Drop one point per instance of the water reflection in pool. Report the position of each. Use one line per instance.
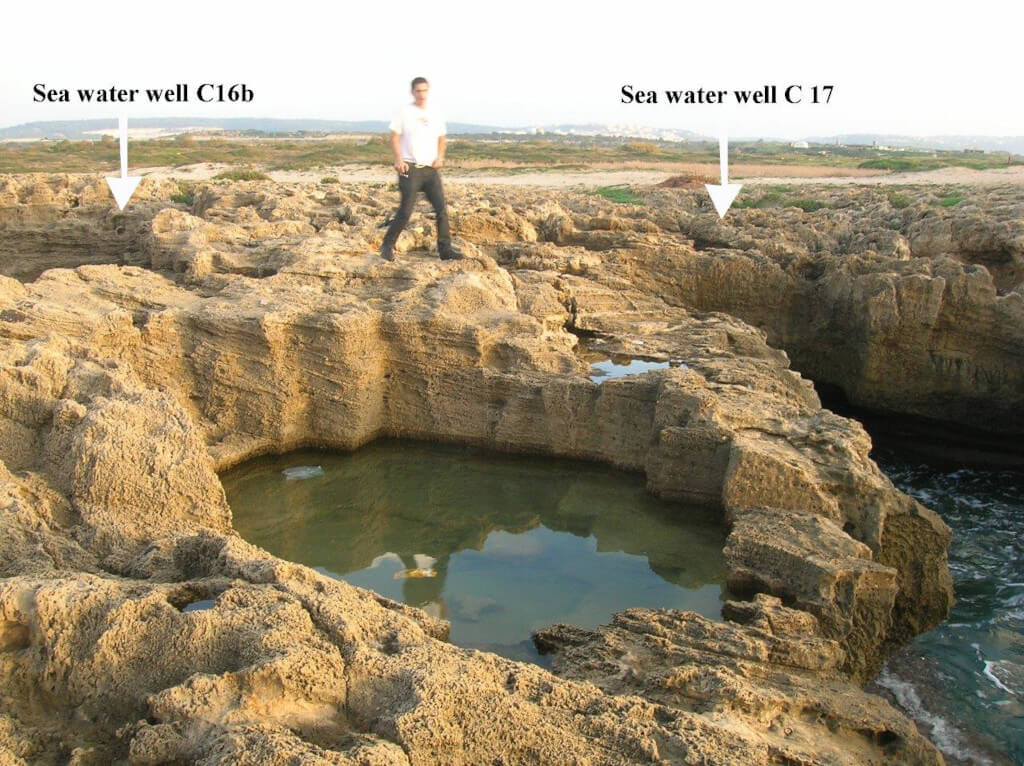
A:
(498, 545)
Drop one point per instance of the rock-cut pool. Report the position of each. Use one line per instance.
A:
(498, 545)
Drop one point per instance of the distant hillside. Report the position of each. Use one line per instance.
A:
(625, 131)
(1014, 144)
(85, 129)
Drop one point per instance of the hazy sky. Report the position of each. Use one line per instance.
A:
(894, 70)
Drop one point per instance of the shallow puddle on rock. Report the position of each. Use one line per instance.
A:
(605, 370)
(199, 606)
(498, 545)
(605, 365)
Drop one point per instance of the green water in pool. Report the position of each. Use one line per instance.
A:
(498, 545)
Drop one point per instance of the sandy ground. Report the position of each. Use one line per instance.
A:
(607, 176)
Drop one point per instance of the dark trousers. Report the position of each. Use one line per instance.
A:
(427, 180)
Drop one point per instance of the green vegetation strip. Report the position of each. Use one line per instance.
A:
(775, 197)
(504, 152)
(619, 193)
(899, 201)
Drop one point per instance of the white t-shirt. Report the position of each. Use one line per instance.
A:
(420, 129)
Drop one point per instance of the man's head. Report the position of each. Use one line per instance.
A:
(420, 89)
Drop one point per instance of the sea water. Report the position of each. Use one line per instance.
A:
(964, 681)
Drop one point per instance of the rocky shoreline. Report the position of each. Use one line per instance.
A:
(182, 338)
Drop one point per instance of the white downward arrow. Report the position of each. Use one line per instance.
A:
(723, 195)
(124, 187)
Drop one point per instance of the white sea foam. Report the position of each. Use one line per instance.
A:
(944, 734)
(996, 668)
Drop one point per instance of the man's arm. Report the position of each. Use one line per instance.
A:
(441, 144)
(396, 149)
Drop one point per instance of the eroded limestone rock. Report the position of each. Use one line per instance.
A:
(270, 324)
(53, 221)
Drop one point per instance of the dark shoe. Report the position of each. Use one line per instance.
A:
(451, 254)
(387, 253)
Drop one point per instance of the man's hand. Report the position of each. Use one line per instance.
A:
(396, 151)
(442, 143)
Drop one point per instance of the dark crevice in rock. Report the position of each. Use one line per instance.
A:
(938, 442)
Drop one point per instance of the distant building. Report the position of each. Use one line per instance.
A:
(800, 145)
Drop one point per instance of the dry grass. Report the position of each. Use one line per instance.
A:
(688, 181)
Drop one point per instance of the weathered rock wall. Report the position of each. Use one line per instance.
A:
(60, 221)
(929, 323)
(915, 311)
(928, 337)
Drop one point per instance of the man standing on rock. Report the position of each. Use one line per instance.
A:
(418, 143)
